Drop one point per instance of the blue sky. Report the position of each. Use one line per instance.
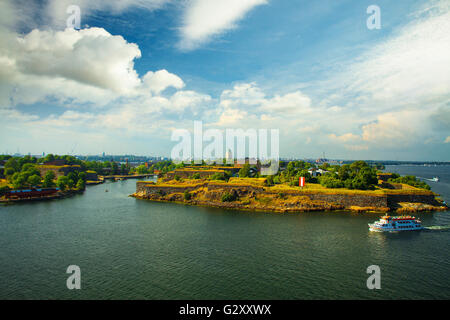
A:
(138, 69)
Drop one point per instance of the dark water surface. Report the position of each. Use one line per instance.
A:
(134, 249)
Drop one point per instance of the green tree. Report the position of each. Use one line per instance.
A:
(71, 183)
(48, 179)
(9, 172)
(73, 176)
(81, 185)
(62, 183)
(245, 171)
(229, 197)
(218, 176)
(142, 169)
(12, 163)
(115, 168)
(34, 180)
(20, 180)
(82, 176)
(187, 196)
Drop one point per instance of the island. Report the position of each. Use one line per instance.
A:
(356, 187)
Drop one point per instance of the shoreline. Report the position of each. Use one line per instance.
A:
(60, 195)
(249, 197)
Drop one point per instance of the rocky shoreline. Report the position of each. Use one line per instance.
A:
(254, 198)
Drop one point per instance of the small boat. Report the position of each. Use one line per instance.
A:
(434, 179)
(393, 224)
(106, 190)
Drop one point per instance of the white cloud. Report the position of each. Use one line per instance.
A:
(355, 147)
(160, 80)
(409, 68)
(251, 98)
(56, 9)
(396, 128)
(188, 99)
(231, 117)
(204, 19)
(244, 94)
(288, 104)
(89, 56)
(345, 137)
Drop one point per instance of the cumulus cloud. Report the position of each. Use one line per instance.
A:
(188, 99)
(90, 56)
(402, 127)
(204, 19)
(160, 80)
(251, 98)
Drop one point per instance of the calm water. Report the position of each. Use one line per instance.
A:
(132, 249)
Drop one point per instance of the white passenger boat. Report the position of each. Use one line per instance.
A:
(401, 223)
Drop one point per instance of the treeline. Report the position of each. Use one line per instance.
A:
(410, 180)
(21, 172)
(358, 175)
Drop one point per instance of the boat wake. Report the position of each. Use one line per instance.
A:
(438, 228)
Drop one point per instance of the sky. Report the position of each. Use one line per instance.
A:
(136, 70)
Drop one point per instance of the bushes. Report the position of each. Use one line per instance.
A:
(359, 175)
(412, 181)
(229, 197)
(34, 180)
(48, 179)
(81, 185)
(219, 176)
(196, 176)
(245, 171)
(187, 195)
(331, 182)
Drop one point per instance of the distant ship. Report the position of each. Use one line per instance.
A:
(401, 223)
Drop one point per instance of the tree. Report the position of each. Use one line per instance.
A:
(62, 183)
(48, 179)
(9, 172)
(49, 157)
(34, 180)
(187, 196)
(12, 163)
(28, 167)
(218, 176)
(344, 172)
(245, 171)
(269, 181)
(229, 197)
(329, 181)
(20, 180)
(142, 169)
(72, 176)
(82, 176)
(71, 183)
(81, 184)
(115, 168)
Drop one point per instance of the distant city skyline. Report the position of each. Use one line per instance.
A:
(138, 69)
